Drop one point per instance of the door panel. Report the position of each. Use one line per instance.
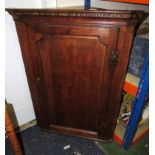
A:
(72, 65)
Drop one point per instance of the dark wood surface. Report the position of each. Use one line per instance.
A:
(76, 63)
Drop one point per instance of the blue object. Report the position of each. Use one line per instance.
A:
(138, 105)
(138, 54)
(87, 4)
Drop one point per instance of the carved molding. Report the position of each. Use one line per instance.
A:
(79, 13)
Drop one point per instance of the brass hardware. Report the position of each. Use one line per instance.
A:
(38, 79)
(114, 58)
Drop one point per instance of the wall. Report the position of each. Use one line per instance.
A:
(117, 5)
(61, 3)
(23, 4)
(16, 86)
(49, 3)
(64, 3)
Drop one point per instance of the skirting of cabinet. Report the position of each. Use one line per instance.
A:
(75, 132)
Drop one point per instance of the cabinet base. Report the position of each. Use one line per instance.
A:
(75, 132)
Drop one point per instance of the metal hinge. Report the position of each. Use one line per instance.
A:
(114, 58)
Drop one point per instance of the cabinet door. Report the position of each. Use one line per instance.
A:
(73, 67)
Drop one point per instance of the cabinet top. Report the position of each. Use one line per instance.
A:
(91, 13)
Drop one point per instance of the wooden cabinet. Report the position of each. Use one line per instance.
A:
(76, 61)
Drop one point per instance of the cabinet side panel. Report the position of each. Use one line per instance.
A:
(28, 63)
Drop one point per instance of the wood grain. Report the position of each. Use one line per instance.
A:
(11, 134)
(74, 76)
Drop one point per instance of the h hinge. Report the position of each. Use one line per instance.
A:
(114, 58)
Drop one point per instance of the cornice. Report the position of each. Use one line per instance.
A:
(110, 14)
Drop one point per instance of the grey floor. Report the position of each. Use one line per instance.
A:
(36, 142)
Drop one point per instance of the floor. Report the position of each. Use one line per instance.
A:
(36, 142)
(139, 148)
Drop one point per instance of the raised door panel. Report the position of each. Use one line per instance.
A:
(73, 74)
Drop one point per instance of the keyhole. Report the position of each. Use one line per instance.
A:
(38, 79)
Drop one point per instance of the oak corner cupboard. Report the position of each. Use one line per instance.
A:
(76, 62)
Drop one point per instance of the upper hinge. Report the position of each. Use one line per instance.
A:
(114, 58)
